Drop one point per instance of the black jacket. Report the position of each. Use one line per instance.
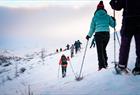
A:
(131, 12)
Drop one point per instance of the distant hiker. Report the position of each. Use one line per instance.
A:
(56, 50)
(72, 50)
(100, 26)
(79, 45)
(76, 47)
(92, 43)
(130, 27)
(60, 49)
(63, 62)
(68, 46)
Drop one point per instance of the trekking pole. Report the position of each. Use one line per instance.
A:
(114, 43)
(117, 38)
(58, 71)
(72, 69)
(79, 77)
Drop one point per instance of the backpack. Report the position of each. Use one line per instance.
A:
(64, 59)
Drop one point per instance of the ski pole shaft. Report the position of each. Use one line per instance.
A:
(118, 38)
(83, 59)
(58, 71)
(114, 41)
(72, 69)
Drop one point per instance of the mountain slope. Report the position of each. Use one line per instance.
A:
(43, 79)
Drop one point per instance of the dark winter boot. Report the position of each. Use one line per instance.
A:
(64, 74)
(136, 71)
(100, 67)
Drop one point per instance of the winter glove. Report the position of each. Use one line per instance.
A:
(87, 37)
(113, 18)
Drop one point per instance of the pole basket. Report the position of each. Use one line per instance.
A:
(79, 78)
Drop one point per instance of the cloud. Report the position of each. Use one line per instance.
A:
(54, 24)
(43, 3)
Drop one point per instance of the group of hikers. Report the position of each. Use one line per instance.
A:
(75, 47)
(100, 29)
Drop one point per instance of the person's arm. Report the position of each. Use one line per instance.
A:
(117, 4)
(112, 21)
(92, 28)
(60, 62)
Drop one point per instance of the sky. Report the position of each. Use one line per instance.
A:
(43, 3)
(42, 23)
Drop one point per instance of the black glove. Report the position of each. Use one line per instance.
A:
(87, 37)
(113, 18)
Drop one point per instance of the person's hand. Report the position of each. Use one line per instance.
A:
(87, 37)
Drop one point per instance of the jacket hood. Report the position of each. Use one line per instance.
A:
(100, 13)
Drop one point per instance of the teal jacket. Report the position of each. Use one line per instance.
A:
(101, 22)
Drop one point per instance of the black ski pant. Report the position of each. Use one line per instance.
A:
(64, 69)
(102, 39)
(126, 36)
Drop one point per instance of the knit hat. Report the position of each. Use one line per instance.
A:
(100, 5)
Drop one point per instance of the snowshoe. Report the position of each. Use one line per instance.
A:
(121, 71)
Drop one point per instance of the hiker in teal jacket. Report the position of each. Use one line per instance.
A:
(100, 26)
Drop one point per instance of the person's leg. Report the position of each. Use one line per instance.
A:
(105, 42)
(137, 42)
(71, 54)
(63, 71)
(99, 45)
(124, 51)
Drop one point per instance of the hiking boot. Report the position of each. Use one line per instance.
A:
(105, 67)
(64, 75)
(136, 71)
(99, 68)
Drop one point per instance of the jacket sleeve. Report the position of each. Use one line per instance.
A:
(92, 28)
(60, 62)
(117, 4)
(112, 22)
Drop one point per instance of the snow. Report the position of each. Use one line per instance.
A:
(43, 79)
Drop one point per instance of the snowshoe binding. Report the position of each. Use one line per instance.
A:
(121, 71)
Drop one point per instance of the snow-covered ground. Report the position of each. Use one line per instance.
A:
(45, 79)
